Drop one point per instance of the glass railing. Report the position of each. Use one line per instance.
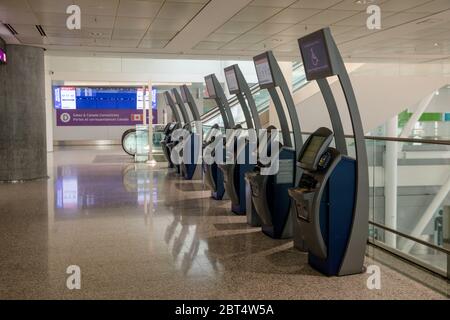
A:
(410, 200)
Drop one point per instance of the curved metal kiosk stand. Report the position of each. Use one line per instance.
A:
(213, 177)
(168, 130)
(270, 192)
(234, 174)
(332, 198)
(190, 166)
(183, 121)
(167, 144)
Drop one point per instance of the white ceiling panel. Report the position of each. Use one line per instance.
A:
(16, 5)
(17, 17)
(97, 21)
(153, 44)
(130, 43)
(52, 19)
(166, 25)
(250, 26)
(236, 27)
(209, 45)
(255, 14)
(355, 5)
(300, 30)
(50, 6)
(270, 28)
(315, 4)
(220, 37)
(401, 5)
(235, 46)
(124, 34)
(432, 6)
(250, 38)
(177, 10)
(272, 3)
(139, 8)
(293, 15)
(132, 23)
(329, 17)
(98, 7)
(157, 35)
(27, 30)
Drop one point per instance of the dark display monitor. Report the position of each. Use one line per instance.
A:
(210, 87)
(263, 70)
(232, 81)
(310, 155)
(315, 55)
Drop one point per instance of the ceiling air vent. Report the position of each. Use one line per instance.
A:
(41, 30)
(11, 29)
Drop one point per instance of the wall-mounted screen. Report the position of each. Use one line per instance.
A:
(102, 106)
(210, 87)
(263, 71)
(315, 55)
(78, 98)
(232, 82)
(2, 56)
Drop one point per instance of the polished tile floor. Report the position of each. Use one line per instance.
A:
(139, 232)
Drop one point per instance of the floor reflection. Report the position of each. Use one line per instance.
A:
(143, 232)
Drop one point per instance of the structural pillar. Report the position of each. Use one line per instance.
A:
(23, 145)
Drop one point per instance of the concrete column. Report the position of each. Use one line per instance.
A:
(23, 147)
(49, 106)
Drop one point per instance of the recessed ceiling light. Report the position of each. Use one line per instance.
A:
(436, 44)
(95, 34)
(363, 2)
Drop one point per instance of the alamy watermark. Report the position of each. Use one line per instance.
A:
(235, 146)
(73, 281)
(374, 280)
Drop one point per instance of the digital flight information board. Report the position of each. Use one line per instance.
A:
(101, 106)
(78, 98)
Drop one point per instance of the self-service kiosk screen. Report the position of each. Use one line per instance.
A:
(315, 56)
(263, 71)
(183, 94)
(310, 154)
(210, 87)
(232, 82)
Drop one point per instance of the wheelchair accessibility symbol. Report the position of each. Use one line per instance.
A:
(65, 117)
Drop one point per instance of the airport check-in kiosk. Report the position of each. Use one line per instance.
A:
(167, 144)
(213, 176)
(332, 198)
(190, 167)
(270, 192)
(234, 174)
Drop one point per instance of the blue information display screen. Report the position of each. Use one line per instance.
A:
(315, 56)
(104, 98)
